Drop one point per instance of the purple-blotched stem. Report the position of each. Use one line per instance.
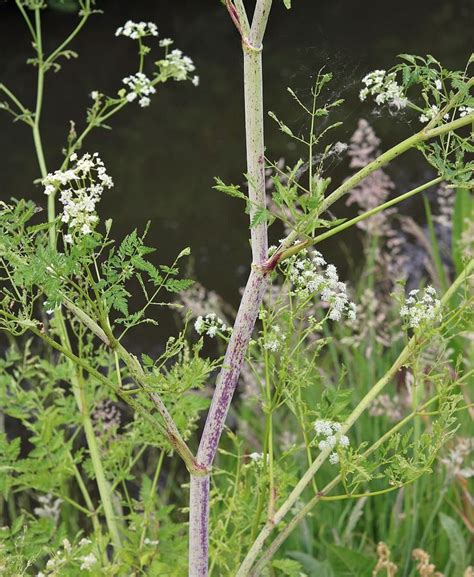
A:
(254, 289)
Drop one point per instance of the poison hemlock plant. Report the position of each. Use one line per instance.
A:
(92, 484)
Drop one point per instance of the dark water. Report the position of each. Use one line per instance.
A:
(163, 158)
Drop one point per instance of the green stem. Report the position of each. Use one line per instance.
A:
(337, 229)
(271, 550)
(411, 142)
(75, 382)
(52, 57)
(78, 388)
(438, 262)
(22, 10)
(14, 99)
(392, 153)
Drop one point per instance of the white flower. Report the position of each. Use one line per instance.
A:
(165, 42)
(177, 66)
(50, 509)
(211, 325)
(79, 192)
(199, 325)
(307, 275)
(136, 30)
(67, 545)
(344, 441)
(421, 308)
(465, 110)
(140, 86)
(429, 113)
(331, 441)
(95, 95)
(334, 458)
(323, 427)
(438, 84)
(384, 88)
(195, 80)
(212, 331)
(258, 458)
(274, 340)
(88, 561)
(329, 430)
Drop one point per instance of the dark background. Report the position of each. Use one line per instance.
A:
(163, 158)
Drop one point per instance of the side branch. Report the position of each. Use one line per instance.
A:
(392, 153)
(169, 429)
(356, 413)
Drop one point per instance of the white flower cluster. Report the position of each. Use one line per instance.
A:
(306, 273)
(430, 113)
(50, 508)
(136, 30)
(465, 110)
(88, 561)
(328, 430)
(258, 458)
(419, 308)
(274, 340)
(64, 556)
(81, 188)
(140, 87)
(178, 66)
(166, 42)
(385, 89)
(210, 325)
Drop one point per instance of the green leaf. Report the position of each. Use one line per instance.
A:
(230, 189)
(287, 4)
(260, 216)
(349, 563)
(283, 127)
(287, 567)
(185, 252)
(457, 543)
(312, 566)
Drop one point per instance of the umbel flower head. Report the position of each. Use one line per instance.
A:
(211, 325)
(178, 66)
(420, 307)
(80, 188)
(328, 430)
(136, 30)
(310, 274)
(141, 87)
(384, 87)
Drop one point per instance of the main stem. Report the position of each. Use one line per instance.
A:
(253, 293)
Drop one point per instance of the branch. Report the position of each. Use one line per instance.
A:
(170, 429)
(392, 153)
(325, 235)
(356, 413)
(351, 182)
